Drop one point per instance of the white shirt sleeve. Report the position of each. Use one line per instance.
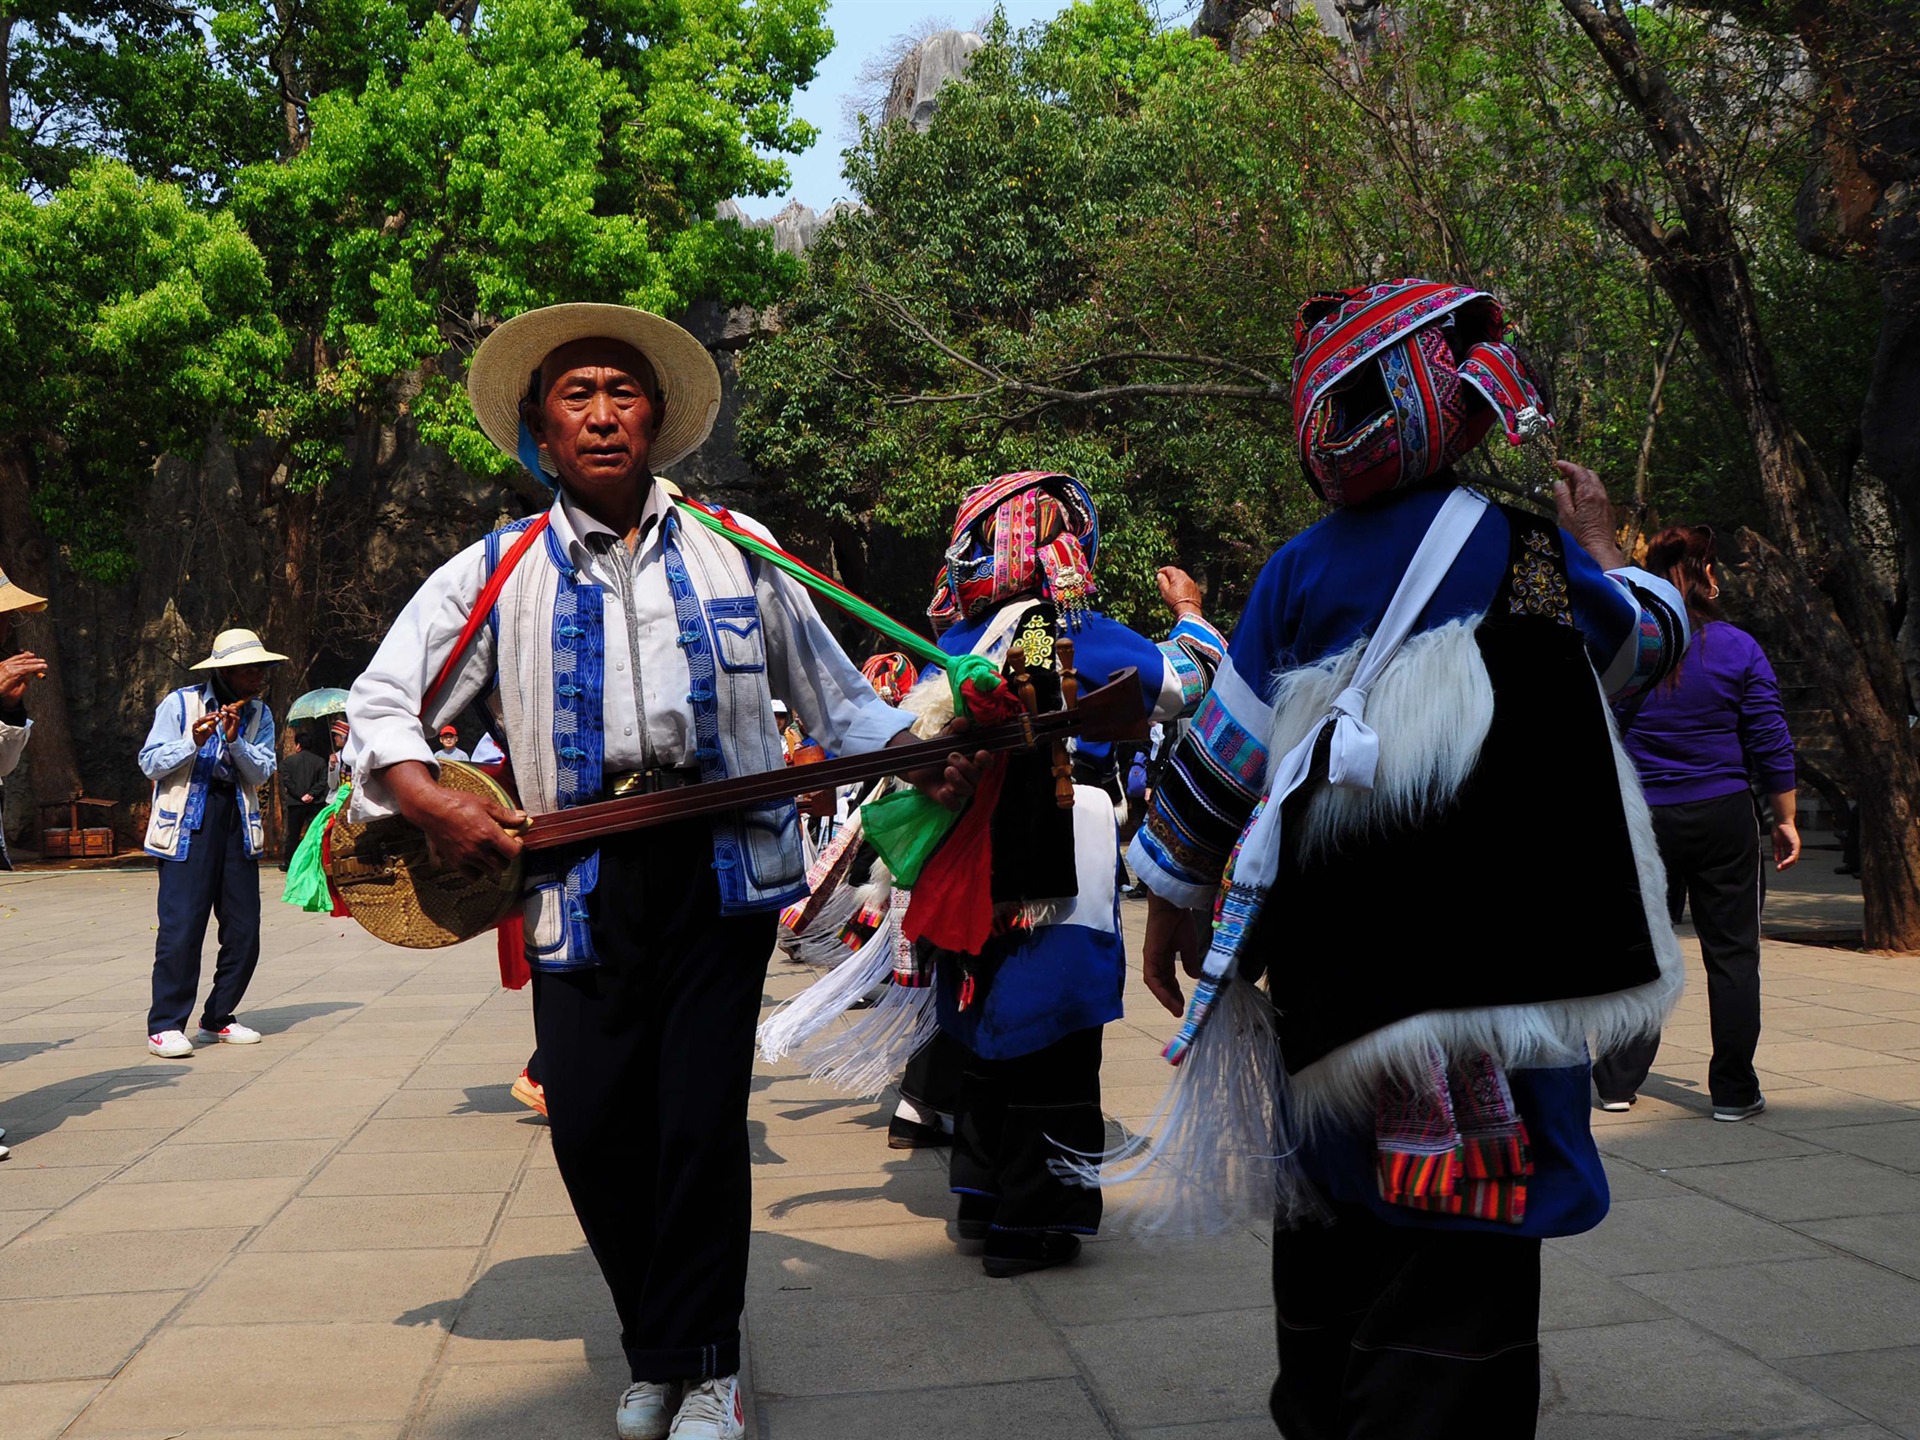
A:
(254, 760)
(13, 740)
(383, 708)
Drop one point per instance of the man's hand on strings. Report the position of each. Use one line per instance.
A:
(464, 832)
(1175, 936)
(952, 782)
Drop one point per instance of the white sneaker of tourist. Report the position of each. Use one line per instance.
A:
(1733, 1114)
(646, 1410)
(234, 1034)
(712, 1410)
(170, 1044)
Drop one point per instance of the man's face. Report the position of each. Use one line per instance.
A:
(247, 680)
(448, 740)
(598, 413)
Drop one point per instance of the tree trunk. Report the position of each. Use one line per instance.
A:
(1818, 582)
(1794, 620)
(290, 610)
(28, 560)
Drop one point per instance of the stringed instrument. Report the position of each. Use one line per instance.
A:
(398, 891)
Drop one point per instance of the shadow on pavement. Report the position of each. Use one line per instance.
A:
(42, 1111)
(558, 1298)
(21, 1049)
(494, 1100)
(278, 1019)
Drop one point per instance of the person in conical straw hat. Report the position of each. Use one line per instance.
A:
(17, 672)
(210, 750)
(630, 650)
(1436, 853)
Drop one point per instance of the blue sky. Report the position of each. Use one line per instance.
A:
(862, 28)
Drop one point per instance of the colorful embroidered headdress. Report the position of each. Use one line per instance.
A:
(891, 674)
(1033, 532)
(1394, 382)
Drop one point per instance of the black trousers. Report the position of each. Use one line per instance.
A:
(647, 1060)
(932, 1077)
(1392, 1333)
(217, 876)
(1712, 853)
(299, 817)
(1014, 1116)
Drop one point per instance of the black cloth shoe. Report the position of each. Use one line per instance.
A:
(1016, 1252)
(976, 1217)
(905, 1134)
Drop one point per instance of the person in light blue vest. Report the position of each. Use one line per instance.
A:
(631, 650)
(210, 750)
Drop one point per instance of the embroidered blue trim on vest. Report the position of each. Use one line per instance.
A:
(739, 894)
(579, 721)
(495, 543)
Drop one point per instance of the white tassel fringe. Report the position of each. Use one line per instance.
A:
(1213, 1155)
(796, 1021)
(820, 945)
(869, 1054)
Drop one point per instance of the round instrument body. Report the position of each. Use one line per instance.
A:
(395, 888)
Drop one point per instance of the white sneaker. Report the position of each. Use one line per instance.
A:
(170, 1044)
(713, 1410)
(234, 1034)
(646, 1410)
(4, 1151)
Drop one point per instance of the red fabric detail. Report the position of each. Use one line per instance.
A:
(952, 905)
(511, 937)
(340, 909)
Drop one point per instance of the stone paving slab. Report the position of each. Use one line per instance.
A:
(362, 1236)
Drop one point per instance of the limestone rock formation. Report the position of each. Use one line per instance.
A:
(916, 84)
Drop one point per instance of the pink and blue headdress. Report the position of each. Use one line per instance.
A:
(1033, 532)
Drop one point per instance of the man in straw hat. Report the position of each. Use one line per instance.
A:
(631, 650)
(16, 673)
(210, 750)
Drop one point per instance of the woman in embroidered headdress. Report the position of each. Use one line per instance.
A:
(1027, 1008)
(1438, 857)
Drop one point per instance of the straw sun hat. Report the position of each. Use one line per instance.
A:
(12, 597)
(503, 367)
(238, 647)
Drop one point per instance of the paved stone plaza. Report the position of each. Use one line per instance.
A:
(351, 1232)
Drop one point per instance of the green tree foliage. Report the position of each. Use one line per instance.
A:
(1092, 258)
(502, 167)
(129, 323)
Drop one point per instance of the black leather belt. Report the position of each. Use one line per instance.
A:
(649, 782)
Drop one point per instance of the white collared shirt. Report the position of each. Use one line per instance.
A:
(648, 720)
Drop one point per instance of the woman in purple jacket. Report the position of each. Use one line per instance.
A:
(1699, 741)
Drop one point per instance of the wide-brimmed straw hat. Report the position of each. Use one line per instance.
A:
(502, 370)
(12, 597)
(238, 647)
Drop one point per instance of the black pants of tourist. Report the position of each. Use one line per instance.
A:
(1393, 1333)
(216, 877)
(1014, 1116)
(1712, 853)
(647, 1060)
(299, 817)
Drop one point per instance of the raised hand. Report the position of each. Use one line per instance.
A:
(16, 673)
